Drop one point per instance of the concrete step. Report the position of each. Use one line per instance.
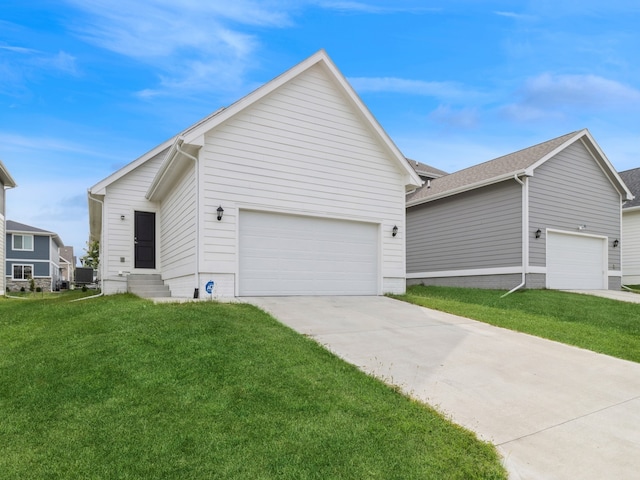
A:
(147, 286)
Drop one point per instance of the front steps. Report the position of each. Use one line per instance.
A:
(147, 286)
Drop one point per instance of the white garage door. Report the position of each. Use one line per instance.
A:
(296, 255)
(575, 262)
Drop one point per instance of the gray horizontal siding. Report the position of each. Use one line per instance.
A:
(41, 246)
(472, 230)
(570, 190)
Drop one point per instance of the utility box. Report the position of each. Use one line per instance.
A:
(84, 276)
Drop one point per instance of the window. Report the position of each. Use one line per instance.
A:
(22, 272)
(23, 242)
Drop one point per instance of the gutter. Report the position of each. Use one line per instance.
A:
(525, 233)
(179, 141)
(472, 186)
(101, 252)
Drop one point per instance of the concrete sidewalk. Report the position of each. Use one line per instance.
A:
(553, 411)
(620, 295)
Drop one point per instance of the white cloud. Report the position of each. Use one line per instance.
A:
(463, 118)
(555, 96)
(412, 87)
(191, 44)
(368, 7)
(516, 16)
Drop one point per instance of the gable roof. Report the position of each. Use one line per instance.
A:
(15, 227)
(5, 178)
(632, 179)
(194, 134)
(517, 164)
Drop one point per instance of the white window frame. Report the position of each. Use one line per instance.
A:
(30, 265)
(13, 240)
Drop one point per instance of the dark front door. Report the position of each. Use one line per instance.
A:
(145, 240)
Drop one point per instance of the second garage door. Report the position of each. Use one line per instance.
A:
(576, 262)
(297, 255)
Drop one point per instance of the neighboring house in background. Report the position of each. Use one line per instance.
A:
(67, 266)
(293, 190)
(631, 230)
(426, 172)
(547, 216)
(6, 182)
(32, 253)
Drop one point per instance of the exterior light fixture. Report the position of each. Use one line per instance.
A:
(616, 242)
(538, 233)
(394, 231)
(582, 227)
(121, 217)
(220, 211)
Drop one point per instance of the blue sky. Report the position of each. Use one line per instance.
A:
(86, 86)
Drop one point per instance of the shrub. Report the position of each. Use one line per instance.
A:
(32, 285)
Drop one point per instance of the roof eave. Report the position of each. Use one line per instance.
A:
(473, 186)
(6, 178)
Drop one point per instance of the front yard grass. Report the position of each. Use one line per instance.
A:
(117, 387)
(599, 324)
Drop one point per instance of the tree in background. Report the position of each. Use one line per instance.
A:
(92, 258)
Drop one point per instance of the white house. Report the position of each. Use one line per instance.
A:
(293, 190)
(6, 182)
(631, 230)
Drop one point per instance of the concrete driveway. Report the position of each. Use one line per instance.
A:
(553, 411)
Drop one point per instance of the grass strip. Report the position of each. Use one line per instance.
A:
(598, 324)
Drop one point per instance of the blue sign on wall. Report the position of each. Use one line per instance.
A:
(209, 287)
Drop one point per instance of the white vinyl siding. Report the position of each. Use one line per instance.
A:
(302, 149)
(124, 197)
(570, 190)
(576, 262)
(2, 248)
(297, 255)
(480, 229)
(630, 248)
(177, 234)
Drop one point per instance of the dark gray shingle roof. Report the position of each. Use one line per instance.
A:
(21, 227)
(425, 170)
(632, 179)
(501, 166)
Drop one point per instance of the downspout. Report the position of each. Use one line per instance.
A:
(525, 233)
(100, 259)
(196, 290)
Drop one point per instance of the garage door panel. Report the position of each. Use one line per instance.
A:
(575, 262)
(296, 255)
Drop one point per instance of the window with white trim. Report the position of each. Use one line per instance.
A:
(23, 242)
(22, 272)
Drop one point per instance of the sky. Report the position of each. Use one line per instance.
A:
(87, 86)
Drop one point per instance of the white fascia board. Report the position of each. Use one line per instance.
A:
(7, 179)
(607, 168)
(164, 167)
(472, 186)
(630, 209)
(100, 187)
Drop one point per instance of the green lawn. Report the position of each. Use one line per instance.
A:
(117, 387)
(598, 324)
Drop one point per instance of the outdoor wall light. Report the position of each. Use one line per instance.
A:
(220, 211)
(616, 242)
(582, 227)
(121, 217)
(394, 230)
(538, 233)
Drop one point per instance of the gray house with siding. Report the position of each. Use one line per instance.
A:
(31, 253)
(6, 182)
(548, 216)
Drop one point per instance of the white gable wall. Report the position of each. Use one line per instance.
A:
(630, 247)
(123, 197)
(177, 235)
(303, 150)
